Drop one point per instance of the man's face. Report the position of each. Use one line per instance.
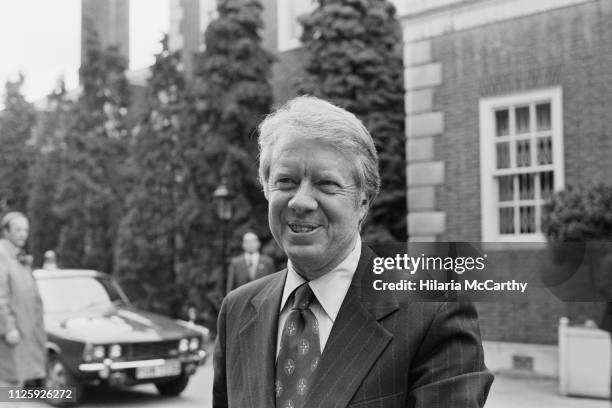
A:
(17, 231)
(314, 204)
(250, 243)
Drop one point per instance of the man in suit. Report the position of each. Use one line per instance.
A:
(305, 336)
(250, 265)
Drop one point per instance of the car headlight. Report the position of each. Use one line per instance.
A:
(194, 344)
(114, 351)
(183, 345)
(98, 352)
(91, 352)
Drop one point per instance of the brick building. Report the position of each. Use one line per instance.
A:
(506, 102)
(110, 19)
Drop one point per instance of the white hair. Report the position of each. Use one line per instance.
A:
(307, 117)
(5, 223)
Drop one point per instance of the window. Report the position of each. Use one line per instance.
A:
(289, 28)
(79, 293)
(521, 162)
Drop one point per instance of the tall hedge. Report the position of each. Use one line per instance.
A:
(354, 59)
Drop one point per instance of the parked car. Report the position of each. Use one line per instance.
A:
(95, 336)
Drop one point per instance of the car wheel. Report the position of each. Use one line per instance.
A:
(59, 377)
(173, 387)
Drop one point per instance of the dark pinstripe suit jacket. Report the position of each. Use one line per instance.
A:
(415, 354)
(238, 273)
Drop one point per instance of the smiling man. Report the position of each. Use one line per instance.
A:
(305, 337)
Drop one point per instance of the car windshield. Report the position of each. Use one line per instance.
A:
(72, 294)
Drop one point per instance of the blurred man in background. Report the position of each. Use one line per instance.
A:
(250, 265)
(22, 333)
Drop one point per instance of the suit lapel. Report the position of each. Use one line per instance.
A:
(354, 345)
(258, 343)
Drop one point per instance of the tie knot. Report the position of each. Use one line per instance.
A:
(302, 297)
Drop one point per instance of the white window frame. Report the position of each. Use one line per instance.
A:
(285, 21)
(488, 171)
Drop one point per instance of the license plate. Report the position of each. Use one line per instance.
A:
(168, 369)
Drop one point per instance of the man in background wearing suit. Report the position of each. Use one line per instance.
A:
(305, 336)
(250, 265)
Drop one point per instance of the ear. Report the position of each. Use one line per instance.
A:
(363, 205)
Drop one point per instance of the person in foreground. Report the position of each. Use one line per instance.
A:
(22, 332)
(303, 337)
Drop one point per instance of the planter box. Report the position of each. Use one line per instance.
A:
(584, 361)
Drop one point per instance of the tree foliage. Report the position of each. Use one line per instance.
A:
(49, 146)
(353, 59)
(138, 202)
(16, 153)
(91, 193)
(232, 94)
(577, 223)
(194, 136)
(579, 214)
(150, 250)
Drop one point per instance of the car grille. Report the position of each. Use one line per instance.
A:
(151, 350)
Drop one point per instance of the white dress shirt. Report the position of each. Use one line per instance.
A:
(329, 290)
(254, 259)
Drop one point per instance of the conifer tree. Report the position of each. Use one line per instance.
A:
(232, 95)
(50, 139)
(151, 250)
(353, 59)
(16, 123)
(91, 192)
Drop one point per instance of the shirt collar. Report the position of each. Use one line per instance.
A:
(329, 289)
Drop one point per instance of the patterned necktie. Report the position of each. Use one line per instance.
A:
(299, 352)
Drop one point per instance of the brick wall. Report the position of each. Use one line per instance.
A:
(534, 317)
(570, 47)
(447, 74)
